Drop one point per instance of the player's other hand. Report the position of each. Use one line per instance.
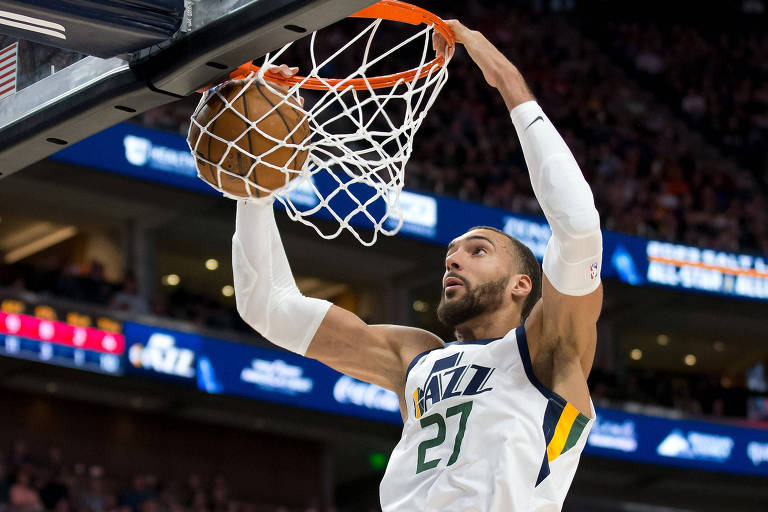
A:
(285, 71)
(440, 45)
(461, 33)
(487, 57)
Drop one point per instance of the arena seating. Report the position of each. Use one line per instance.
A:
(37, 478)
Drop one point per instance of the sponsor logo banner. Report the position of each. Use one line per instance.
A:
(352, 391)
(161, 352)
(533, 234)
(613, 435)
(696, 446)
(757, 453)
(693, 444)
(283, 377)
(707, 270)
(222, 367)
(277, 376)
(141, 151)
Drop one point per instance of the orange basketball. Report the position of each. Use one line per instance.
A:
(275, 168)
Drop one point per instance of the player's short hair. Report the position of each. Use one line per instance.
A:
(526, 264)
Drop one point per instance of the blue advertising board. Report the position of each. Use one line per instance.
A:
(222, 367)
(692, 444)
(264, 374)
(164, 158)
(161, 353)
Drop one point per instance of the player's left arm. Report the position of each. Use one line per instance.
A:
(571, 291)
(572, 294)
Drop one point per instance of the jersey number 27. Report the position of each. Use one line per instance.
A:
(462, 409)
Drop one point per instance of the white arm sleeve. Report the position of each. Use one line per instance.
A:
(573, 257)
(267, 296)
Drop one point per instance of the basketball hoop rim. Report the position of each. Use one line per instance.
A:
(392, 10)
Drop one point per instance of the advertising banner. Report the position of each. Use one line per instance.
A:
(264, 374)
(165, 158)
(161, 353)
(693, 444)
(222, 367)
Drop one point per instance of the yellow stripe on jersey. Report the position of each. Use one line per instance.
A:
(562, 430)
(416, 403)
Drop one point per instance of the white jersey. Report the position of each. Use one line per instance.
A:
(482, 433)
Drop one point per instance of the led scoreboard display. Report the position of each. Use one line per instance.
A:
(680, 266)
(47, 340)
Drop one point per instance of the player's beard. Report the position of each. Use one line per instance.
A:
(485, 298)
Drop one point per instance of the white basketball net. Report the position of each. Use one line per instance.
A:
(359, 141)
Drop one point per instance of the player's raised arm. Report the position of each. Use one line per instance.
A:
(571, 291)
(270, 302)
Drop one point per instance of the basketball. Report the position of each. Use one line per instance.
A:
(263, 152)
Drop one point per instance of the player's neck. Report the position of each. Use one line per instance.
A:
(487, 326)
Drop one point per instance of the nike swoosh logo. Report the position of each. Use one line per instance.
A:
(539, 118)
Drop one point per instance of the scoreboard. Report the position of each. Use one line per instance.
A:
(45, 339)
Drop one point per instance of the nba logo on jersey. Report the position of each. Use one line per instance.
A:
(593, 271)
(448, 378)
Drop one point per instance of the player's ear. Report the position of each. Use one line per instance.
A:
(520, 286)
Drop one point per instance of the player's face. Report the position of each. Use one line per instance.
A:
(477, 273)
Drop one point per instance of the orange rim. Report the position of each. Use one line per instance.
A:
(392, 10)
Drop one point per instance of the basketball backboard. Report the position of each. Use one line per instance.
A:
(56, 97)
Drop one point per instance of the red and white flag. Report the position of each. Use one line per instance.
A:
(8, 67)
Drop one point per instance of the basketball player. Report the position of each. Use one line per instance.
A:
(497, 420)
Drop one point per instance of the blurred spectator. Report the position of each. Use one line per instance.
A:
(93, 489)
(3, 482)
(137, 494)
(692, 394)
(54, 491)
(128, 298)
(23, 497)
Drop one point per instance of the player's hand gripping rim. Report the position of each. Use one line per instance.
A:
(487, 57)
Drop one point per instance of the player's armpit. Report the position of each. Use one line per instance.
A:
(378, 354)
(562, 333)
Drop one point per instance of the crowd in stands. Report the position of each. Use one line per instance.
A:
(652, 173)
(716, 79)
(30, 482)
(687, 393)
